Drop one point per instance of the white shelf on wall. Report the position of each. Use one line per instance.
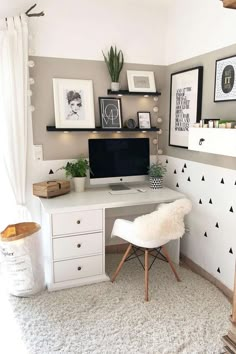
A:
(213, 140)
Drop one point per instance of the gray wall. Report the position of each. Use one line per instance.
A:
(57, 145)
(223, 110)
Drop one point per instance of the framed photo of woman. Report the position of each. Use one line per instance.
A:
(73, 103)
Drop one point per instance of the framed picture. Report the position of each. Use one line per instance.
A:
(185, 104)
(144, 120)
(110, 112)
(73, 103)
(225, 80)
(141, 81)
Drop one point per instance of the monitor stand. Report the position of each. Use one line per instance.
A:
(121, 189)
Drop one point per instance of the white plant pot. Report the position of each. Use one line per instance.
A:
(79, 184)
(156, 182)
(115, 86)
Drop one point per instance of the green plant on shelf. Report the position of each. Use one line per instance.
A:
(114, 61)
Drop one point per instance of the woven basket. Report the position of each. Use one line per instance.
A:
(156, 182)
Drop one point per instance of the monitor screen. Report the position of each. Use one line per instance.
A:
(118, 160)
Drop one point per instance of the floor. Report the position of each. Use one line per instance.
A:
(188, 317)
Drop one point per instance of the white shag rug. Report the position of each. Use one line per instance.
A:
(188, 317)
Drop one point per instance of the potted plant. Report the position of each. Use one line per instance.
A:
(114, 61)
(77, 170)
(156, 172)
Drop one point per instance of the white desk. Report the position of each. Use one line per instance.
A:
(74, 232)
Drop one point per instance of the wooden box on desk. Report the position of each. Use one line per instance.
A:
(50, 189)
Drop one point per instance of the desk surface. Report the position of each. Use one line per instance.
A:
(95, 198)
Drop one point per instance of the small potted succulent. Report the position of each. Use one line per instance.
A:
(77, 170)
(156, 172)
(114, 61)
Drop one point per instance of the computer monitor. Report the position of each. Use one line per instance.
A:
(118, 160)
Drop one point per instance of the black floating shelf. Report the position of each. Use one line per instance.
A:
(128, 93)
(51, 128)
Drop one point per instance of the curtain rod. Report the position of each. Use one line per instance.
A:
(38, 14)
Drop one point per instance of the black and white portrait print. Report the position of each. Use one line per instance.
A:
(73, 103)
(225, 84)
(185, 104)
(110, 112)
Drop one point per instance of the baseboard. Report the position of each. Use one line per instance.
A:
(203, 273)
(121, 248)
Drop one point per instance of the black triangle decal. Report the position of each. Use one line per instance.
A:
(205, 234)
(51, 172)
(218, 270)
(177, 185)
(222, 181)
(175, 172)
(183, 170)
(231, 251)
(231, 210)
(166, 161)
(185, 166)
(210, 201)
(217, 225)
(200, 201)
(203, 178)
(235, 183)
(189, 180)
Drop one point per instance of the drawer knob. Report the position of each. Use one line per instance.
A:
(201, 141)
(78, 222)
(79, 245)
(79, 268)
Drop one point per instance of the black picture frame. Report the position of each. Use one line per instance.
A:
(225, 79)
(185, 104)
(144, 120)
(110, 112)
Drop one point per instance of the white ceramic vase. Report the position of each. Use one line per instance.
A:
(79, 184)
(156, 182)
(115, 86)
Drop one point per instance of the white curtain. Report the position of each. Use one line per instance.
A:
(14, 113)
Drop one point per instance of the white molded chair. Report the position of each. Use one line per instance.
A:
(149, 233)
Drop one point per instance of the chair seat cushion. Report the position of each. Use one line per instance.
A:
(125, 230)
(157, 228)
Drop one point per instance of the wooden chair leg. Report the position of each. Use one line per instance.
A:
(163, 248)
(121, 263)
(146, 274)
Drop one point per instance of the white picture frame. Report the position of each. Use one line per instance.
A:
(73, 103)
(141, 81)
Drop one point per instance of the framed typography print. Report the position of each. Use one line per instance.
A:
(73, 103)
(185, 104)
(110, 112)
(225, 79)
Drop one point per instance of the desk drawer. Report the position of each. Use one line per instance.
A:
(76, 222)
(77, 246)
(77, 268)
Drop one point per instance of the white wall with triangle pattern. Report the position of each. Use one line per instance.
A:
(211, 240)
